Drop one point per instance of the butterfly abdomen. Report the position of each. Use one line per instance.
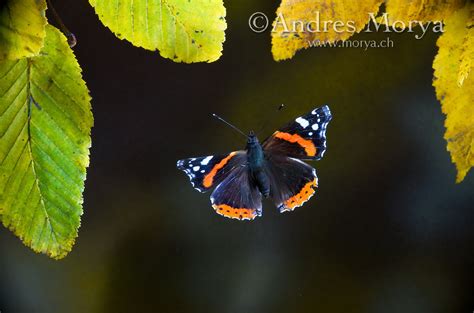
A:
(256, 160)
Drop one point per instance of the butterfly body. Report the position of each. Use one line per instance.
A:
(272, 169)
(256, 162)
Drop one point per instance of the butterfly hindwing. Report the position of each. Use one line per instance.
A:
(237, 196)
(207, 172)
(292, 181)
(304, 138)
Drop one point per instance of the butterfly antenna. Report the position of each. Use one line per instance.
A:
(280, 107)
(228, 124)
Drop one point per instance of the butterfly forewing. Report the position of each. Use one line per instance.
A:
(303, 138)
(207, 172)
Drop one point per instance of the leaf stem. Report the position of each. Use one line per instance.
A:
(71, 39)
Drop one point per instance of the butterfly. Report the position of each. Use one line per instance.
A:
(274, 169)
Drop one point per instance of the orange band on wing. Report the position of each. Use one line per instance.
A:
(305, 193)
(308, 145)
(238, 213)
(209, 178)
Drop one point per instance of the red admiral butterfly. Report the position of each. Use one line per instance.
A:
(272, 169)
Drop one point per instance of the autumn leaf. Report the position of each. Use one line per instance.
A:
(182, 30)
(420, 10)
(22, 24)
(45, 124)
(455, 86)
(306, 13)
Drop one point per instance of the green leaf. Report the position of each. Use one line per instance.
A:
(45, 124)
(182, 30)
(22, 24)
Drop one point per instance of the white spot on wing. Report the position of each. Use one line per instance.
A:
(315, 127)
(196, 168)
(206, 160)
(304, 123)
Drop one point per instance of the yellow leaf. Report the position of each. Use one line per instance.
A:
(467, 55)
(455, 87)
(182, 30)
(302, 22)
(22, 24)
(421, 10)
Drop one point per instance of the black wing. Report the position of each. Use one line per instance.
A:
(207, 172)
(304, 138)
(292, 181)
(237, 196)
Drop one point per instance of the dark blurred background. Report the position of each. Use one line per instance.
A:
(388, 230)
